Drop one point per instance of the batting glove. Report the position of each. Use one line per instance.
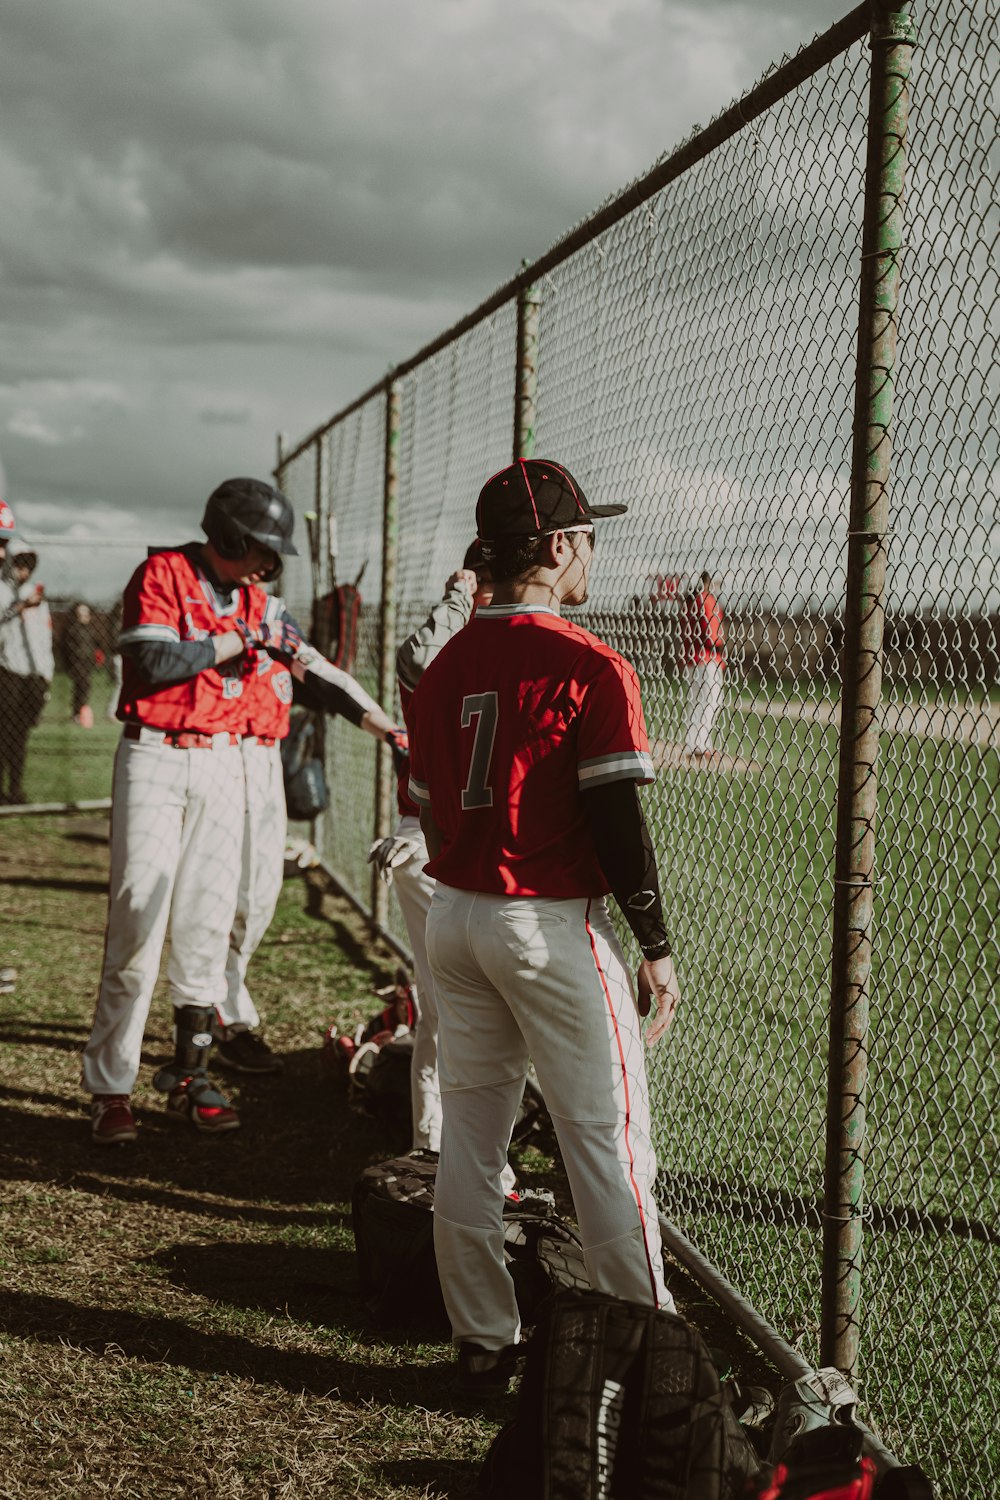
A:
(386, 854)
(281, 638)
(399, 743)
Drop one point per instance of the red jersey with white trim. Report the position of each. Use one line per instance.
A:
(519, 713)
(169, 598)
(702, 631)
(267, 689)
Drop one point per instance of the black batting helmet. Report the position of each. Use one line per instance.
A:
(241, 510)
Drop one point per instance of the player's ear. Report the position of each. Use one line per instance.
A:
(552, 553)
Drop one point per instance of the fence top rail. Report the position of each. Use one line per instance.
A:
(786, 77)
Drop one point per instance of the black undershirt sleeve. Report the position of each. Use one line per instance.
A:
(326, 698)
(161, 662)
(625, 854)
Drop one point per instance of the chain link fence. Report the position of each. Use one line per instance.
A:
(693, 349)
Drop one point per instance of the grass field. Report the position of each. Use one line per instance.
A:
(180, 1318)
(746, 863)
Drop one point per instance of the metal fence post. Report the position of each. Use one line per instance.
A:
(384, 778)
(892, 38)
(526, 390)
(281, 442)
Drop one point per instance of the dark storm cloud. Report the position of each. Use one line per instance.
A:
(224, 219)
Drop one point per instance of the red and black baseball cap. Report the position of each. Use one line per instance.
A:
(532, 496)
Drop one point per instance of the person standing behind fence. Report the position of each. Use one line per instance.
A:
(400, 858)
(78, 652)
(190, 627)
(528, 742)
(26, 664)
(703, 647)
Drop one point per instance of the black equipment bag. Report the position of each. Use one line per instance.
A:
(392, 1213)
(306, 793)
(618, 1402)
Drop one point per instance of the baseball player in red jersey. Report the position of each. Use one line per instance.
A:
(192, 619)
(269, 690)
(528, 744)
(703, 639)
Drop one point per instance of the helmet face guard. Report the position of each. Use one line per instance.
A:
(242, 511)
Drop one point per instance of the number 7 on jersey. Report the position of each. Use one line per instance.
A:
(482, 707)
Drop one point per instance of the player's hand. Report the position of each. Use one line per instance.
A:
(464, 578)
(386, 854)
(656, 982)
(282, 638)
(399, 743)
(247, 635)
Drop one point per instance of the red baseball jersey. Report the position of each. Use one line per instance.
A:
(267, 689)
(520, 712)
(702, 632)
(169, 598)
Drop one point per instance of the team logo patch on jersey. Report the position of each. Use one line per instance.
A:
(281, 682)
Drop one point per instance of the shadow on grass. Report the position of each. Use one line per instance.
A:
(431, 1476)
(56, 883)
(157, 1339)
(38, 1034)
(308, 1283)
(298, 1144)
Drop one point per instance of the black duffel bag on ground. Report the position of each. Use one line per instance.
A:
(618, 1402)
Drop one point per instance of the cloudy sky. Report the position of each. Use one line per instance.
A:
(225, 218)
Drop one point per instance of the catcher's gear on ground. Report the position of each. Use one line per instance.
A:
(385, 854)
(241, 510)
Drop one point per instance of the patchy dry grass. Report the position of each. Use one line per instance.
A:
(179, 1317)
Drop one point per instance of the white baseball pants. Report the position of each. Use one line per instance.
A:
(520, 976)
(176, 835)
(262, 872)
(414, 890)
(704, 702)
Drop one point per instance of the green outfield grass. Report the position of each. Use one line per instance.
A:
(746, 864)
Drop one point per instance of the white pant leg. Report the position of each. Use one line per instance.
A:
(262, 871)
(479, 1100)
(567, 999)
(208, 876)
(149, 798)
(414, 890)
(705, 693)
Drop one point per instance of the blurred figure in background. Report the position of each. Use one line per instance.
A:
(114, 661)
(703, 643)
(78, 653)
(26, 664)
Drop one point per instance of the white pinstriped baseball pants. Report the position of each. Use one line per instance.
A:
(265, 827)
(518, 977)
(176, 832)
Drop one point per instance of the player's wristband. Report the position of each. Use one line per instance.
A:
(657, 950)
